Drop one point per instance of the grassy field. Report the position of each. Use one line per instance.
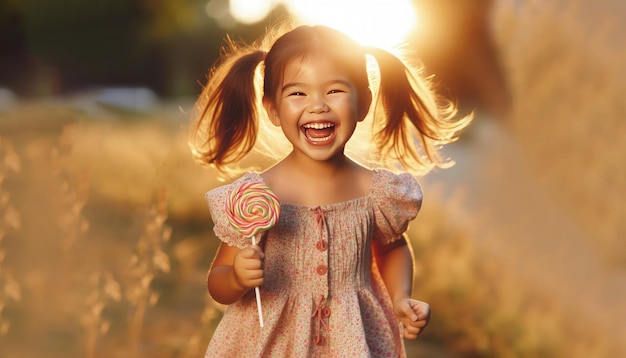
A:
(564, 66)
(105, 238)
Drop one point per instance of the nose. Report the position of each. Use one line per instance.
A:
(318, 104)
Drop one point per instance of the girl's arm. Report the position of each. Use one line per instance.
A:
(395, 263)
(234, 271)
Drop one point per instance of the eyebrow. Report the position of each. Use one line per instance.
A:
(329, 83)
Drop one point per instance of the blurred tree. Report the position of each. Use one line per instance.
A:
(456, 44)
(13, 46)
(76, 43)
(165, 19)
(50, 47)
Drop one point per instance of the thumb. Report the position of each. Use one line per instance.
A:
(407, 309)
(258, 251)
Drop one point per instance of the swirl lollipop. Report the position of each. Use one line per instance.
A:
(253, 207)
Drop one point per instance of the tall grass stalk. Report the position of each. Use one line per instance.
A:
(148, 261)
(104, 289)
(10, 222)
(74, 189)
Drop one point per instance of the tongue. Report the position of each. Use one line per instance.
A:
(319, 133)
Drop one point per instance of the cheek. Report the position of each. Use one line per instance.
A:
(344, 104)
(351, 109)
(291, 108)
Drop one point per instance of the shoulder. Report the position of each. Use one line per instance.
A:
(388, 184)
(217, 200)
(219, 193)
(396, 198)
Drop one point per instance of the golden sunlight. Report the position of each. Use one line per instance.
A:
(371, 22)
(250, 11)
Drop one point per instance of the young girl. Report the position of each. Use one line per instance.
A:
(335, 272)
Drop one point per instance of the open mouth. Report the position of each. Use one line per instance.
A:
(318, 132)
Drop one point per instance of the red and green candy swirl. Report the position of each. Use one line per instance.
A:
(252, 207)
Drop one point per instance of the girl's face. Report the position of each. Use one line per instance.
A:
(316, 107)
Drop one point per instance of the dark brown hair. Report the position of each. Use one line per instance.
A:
(409, 120)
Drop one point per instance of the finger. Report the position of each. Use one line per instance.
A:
(257, 251)
(408, 311)
(419, 324)
(421, 310)
(256, 282)
(252, 278)
(256, 275)
(253, 264)
(410, 332)
(252, 252)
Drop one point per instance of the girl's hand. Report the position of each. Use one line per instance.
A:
(248, 267)
(414, 316)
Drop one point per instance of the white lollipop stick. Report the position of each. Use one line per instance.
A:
(251, 208)
(258, 295)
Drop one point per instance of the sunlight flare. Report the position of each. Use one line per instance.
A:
(250, 11)
(371, 22)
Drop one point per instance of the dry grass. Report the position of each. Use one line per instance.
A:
(86, 234)
(10, 222)
(108, 235)
(564, 62)
(105, 238)
(482, 306)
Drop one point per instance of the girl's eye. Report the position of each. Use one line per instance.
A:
(335, 91)
(297, 94)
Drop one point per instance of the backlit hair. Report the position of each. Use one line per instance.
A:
(408, 123)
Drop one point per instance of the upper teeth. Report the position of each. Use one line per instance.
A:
(318, 125)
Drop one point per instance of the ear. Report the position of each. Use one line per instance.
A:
(272, 113)
(364, 103)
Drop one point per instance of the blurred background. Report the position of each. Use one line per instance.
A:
(105, 238)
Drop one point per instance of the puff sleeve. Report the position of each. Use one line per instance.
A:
(217, 200)
(398, 200)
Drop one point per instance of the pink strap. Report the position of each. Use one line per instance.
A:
(321, 221)
(319, 318)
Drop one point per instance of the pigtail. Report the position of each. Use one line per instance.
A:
(226, 124)
(411, 112)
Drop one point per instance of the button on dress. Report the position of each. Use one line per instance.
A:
(322, 294)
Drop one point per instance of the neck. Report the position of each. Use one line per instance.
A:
(325, 168)
(305, 181)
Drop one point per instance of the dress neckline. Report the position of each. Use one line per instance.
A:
(331, 206)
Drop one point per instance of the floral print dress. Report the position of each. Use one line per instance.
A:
(323, 295)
